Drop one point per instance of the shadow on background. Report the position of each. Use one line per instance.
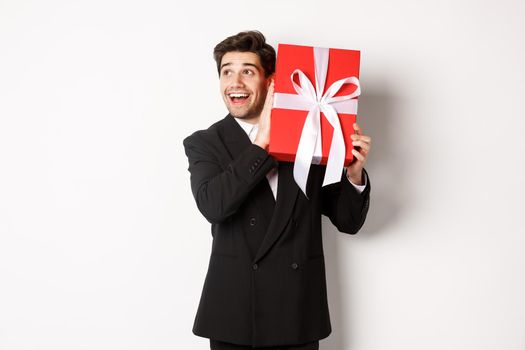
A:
(377, 118)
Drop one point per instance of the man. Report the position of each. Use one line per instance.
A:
(265, 287)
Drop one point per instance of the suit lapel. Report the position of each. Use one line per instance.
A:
(287, 191)
(236, 141)
(234, 137)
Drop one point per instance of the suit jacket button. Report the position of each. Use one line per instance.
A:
(255, 267)
(253, 222)
(295, 266)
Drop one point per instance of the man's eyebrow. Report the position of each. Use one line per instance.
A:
(225, 64)
(244, 64)
(251, 64)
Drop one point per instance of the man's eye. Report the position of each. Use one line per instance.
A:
(226, 72)
(248, 72)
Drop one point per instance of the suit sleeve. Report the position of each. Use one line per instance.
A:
(219, 192)
(345, 206)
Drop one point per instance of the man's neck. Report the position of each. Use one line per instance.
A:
(253, 120)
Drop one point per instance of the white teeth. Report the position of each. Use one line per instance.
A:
(238, 95)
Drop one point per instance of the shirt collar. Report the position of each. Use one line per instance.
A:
(247, 127)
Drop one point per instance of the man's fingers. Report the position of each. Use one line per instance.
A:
(269, 95)
(270, 88)
(364, 138)
(269, 102)
(358, 155)
(362, 144)
(357, 129)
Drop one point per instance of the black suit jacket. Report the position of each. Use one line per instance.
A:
(266, 281)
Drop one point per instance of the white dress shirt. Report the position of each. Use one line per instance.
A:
(273, 176)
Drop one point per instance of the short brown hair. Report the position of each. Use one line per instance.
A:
(248, 41)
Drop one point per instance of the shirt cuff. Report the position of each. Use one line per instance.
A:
(359, 188)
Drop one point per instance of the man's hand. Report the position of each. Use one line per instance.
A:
(363, 144)
(263, 134)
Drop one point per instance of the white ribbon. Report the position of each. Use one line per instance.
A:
(312, 100)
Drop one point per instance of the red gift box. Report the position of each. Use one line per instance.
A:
(287, 123)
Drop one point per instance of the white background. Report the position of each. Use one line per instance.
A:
(101, 244)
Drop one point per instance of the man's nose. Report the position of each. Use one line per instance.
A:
(237, 80)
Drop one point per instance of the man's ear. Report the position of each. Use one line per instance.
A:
(270, 79)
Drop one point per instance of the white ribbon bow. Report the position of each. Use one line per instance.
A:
(312, 100)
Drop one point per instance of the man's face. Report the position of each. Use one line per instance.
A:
(243, 84)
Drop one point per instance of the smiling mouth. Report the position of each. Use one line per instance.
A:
(238, 98)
